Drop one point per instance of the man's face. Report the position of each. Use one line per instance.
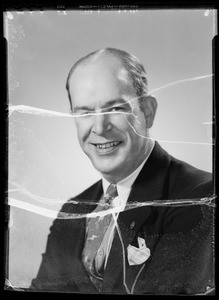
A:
(112, 128)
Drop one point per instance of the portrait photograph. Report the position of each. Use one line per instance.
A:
(110, 150)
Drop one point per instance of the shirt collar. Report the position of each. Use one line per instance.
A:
(124, 186)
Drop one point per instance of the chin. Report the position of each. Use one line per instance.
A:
(107, 169)
(108, 166)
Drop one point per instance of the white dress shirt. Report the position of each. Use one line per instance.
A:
(118, 203)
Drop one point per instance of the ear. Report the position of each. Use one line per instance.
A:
(150, 108)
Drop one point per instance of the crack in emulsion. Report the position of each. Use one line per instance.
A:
(13, 202)
(209, 201)
(208, 290)
(181, 81)
(50, 113)
(19, 188)
(165, 141)
(9, 285)
(39, 111)
(44, 112)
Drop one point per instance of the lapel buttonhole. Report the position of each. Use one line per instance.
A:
(132, 225)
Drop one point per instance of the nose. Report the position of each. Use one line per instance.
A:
(101, 124)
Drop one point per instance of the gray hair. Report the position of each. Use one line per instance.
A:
(130, 62)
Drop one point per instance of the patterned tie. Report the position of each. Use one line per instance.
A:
(97, 227)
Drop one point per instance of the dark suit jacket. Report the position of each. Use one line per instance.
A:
(180, 238)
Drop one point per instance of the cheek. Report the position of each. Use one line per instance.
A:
(82, 129)
(135, 125)
(124, 122)
(136, 131)
(139, 125)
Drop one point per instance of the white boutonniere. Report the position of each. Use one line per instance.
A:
(137, 256)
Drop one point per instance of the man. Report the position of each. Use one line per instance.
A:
(135, 243)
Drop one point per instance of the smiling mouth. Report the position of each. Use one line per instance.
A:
(106, 147)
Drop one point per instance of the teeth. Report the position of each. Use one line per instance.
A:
(107, 145)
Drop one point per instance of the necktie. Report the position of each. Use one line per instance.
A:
(97, 227)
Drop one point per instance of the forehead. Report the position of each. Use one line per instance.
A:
(96, 83)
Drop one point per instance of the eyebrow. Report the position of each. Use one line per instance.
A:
(107, 104)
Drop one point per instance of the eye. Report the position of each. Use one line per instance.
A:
(83, 112)
(117, 108)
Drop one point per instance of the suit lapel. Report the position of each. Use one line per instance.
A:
(117, 265)
(76, 240)
(149, 186)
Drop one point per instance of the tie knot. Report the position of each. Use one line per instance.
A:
(111, 192)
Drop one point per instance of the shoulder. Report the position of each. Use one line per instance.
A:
(76, 207)
(91, 192)
(189, 180)
(181, 168)
(177, 178)
(80, 202)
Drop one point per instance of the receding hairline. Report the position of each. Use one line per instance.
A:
(112, 54)
(134, 69)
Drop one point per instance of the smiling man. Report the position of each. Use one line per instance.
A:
(105, 244)
(113, 141)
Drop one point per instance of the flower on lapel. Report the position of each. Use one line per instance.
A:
(137, 256)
